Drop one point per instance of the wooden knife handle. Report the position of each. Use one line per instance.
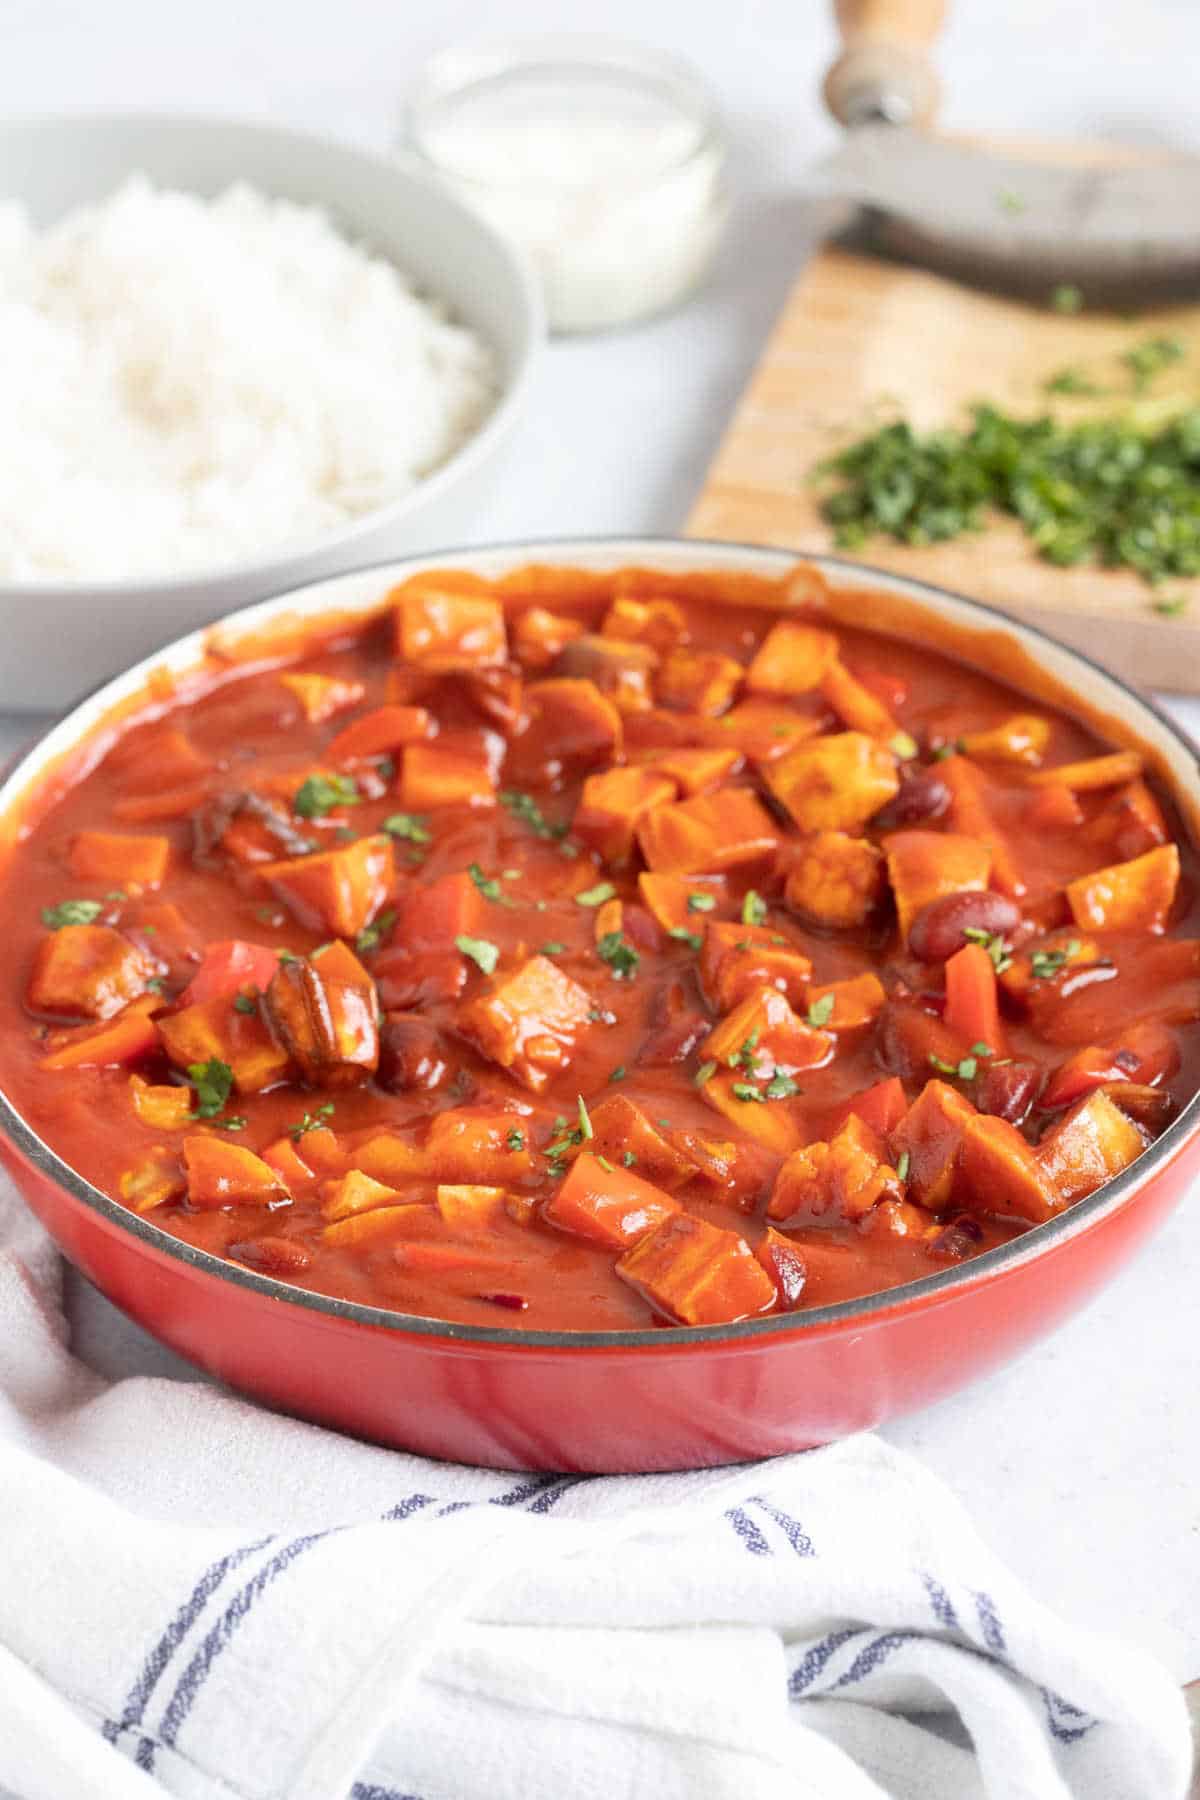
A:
(884, 72)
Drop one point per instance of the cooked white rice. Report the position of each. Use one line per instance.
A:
(186, 382)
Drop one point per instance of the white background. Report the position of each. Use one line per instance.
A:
(1082, 1462)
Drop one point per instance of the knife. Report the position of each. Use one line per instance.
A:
(1112, 222)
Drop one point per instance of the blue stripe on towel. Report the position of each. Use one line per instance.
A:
(803, 1676)
(940, 1601)
(752, 1538)
(791, 1528)
(989, 1624)
(139, 1695)
(1063, 1732)
(367, 1790)
(872, 1654)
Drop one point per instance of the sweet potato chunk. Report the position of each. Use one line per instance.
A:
(698, 1274)
(623, 672)
(444, 632)
(1021, 739)
(835, 880)
(215, 1031)
(698, 681)
(571, 724)
(620, 1125)
(611, 805)
(760, 729)
(127, 1037)
(737, 960)
(608, 1204)
(1054, 809)
(834, 783)
(847, 1005)
(972, 998)
(768, 1122)
(88, 971)
(230, 967)
(329, 1025)
(1088, 1146)
(999, 1174)
(322, 696)
(881, 1106)
(931, 1133)
(468, 1146)
(540, 636)
(433, 775)
(855, 705)
(530, 1021)
(379, 733)
(154, 1179)
(122, 861)
(695, 771)
(709, 832)
(353, 1192)
(469, 1207)
(413, 1217)
(836, 1182)
(338, 891)
(659, 623)
(972, 814)
(763, 1034)
(924, 866)
(680, 902)
(223, 1174)
(1128, 896)
(791, 659)
(162, 1108)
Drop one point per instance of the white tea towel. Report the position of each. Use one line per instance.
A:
(204, 1599)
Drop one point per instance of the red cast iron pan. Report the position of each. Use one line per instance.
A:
(625, 1400)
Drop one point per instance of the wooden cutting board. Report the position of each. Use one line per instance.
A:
(860, 340)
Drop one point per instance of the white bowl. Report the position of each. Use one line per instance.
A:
(57, 636)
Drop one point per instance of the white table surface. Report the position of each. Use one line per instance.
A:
(1081, 1463)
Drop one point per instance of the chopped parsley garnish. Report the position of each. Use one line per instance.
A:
(244, 1003)
(1120, 491)
(1066, 298)
(902, 1165)
(596, 896)
(515, 1139)
(525, 808)
(620, 956)
(701, 902)
(904, 746)
(743, 1057)
(628, 1158)
(321, 793)
(781, 1087)
(1149, 358)
(967, 1069)
(310, 1121)
(554, 948)
(488, 886)
(213, 1082)
(236, 1122)
(754, 909)
(821, 1011)
(1044, 964)
(483, 954)
(993, 943)
(409, 826)
(1072, 381)
(744, 1090)
(372, 935)
(585, 1123)
(1009, 201)
(605, 1164)
(692, 939)
(619, 1073)
(704, 1073)
(1170, 606)
(71, 912)
(157, 985)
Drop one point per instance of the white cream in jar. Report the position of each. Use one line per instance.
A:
(604, 163)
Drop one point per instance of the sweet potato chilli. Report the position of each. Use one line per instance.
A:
(581, 951)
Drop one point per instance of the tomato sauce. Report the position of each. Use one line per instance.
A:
(586, 951)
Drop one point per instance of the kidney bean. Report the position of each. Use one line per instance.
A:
(922, 796)
(957, 1238)
(410, 1054)
(938, 929)
(273, 1255)
(1007, 1089)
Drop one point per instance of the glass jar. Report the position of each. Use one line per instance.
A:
(604, 162)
